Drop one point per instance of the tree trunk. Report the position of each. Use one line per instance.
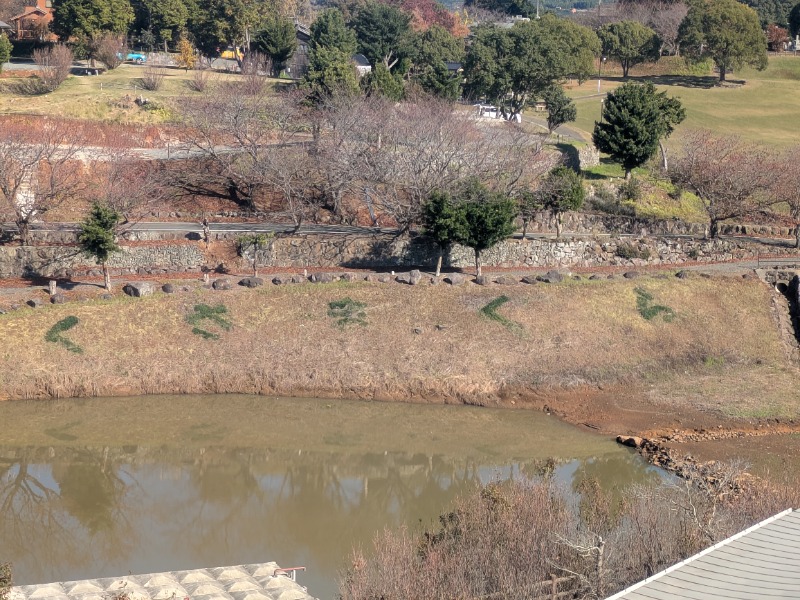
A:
(713, 230)
(524, 228)
(477, 263)
(628, 173)
(663, 154)
(106, 277)
(255, 263)
(559, 225)
(24, 232)
(439, 262)
(797, 236)
(722, 73)
(625, 68)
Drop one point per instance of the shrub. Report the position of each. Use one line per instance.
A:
(629, 252)
(55, 64)
(630, 190)
(110, 49)
(5, 50)
(152, 79)
(199, 81)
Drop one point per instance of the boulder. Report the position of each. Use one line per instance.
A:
(506, 280)
(630, 440)
(106, 297)
(277, 280)
(630, 275)
(138, 289)
(455, 279)
(551, 277)
(349, 277)
(530, 279)
(384, 278)
(58, 298)
(322, 278)
(595, 277)
(576, 277)
(417, 330)
(299, 278)
(682, 274)
(14, 307)
(483, 280)
(612, 276)
(403, 278)
(251, 282)
(414, 277)
(435, 280)
(222, 284)
(168, 288)
(34, 303)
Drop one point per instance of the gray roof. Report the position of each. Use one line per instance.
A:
(360, 60)
(4, 25)
(244, 582)
(761, 562)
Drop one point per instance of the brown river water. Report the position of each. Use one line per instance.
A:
(111, 486)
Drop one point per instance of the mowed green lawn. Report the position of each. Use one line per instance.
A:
(765, 109)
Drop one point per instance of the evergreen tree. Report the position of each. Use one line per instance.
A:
(443, 222)
(635, 118)
(383, 82)
(794, 21)
(86, 18)
(509, 67)
(486, 218)
(560, 107)
(5, 50)
(163, 18)
(381, 31)
(330, 67)
(97, 236)
(630, 42)
(277, 40)
(429, 52)
(329, 31)
(561, 191)
(726, 31)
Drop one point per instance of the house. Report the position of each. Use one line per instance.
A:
(760, 562)
(362, 64)
(6, 28)
(33, 23)
(297, 65)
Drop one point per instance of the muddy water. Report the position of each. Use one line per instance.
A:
(102, 487)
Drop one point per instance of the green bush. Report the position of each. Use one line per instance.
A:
(348, 311)
(54, 334)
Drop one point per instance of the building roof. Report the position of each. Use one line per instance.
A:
(4, 25)
(760, 562)
(244, 582)
(30, 10)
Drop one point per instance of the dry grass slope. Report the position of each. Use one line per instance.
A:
(283, 341)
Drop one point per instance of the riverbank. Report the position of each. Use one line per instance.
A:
(599, 353)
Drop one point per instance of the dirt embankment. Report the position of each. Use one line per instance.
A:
(584, 350)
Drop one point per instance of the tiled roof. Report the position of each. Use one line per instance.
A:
(244, 582)
(758, 563)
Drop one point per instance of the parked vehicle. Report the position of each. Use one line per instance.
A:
(232, 53)
(137, 57)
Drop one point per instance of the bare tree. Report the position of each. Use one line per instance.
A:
(39, 171)
(787, 189)
(662, 16)
(731, 177)
(55, 64)
(111, 49)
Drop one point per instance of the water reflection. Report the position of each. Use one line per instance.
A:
(73, 511)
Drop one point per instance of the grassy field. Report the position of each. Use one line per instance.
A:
(761, 110)
(107, 97)
(286, 340)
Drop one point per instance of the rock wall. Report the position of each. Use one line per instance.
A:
(383, 252)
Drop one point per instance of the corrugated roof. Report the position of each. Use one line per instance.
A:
(243, 582)
(761, 562)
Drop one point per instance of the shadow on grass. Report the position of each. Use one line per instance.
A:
(570, 152)
(690, 81)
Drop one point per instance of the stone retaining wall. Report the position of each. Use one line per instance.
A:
(382, 252)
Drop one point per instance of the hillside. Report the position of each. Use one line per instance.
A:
(428, 343)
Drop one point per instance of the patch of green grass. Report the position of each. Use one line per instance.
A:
(651, 311)
(490, 311)
(348, 312)
(214, 314)
(54, 334)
